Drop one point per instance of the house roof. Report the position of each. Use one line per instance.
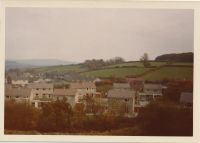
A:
(186, 97)
(120, 93)
(17, 91)
(40, 85)
(152, 86)
(131, 79)
(121, 85)
(80, 85)
(64, 92)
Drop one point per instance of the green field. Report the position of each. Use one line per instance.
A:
(138, 64)
(171, 73)
(117, 72)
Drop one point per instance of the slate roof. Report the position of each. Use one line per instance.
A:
(18, 92)
(121, 85)
(120, 93)
(64, 92)
(40, 85)
(186, 97)
(82, 85)
(152, 86)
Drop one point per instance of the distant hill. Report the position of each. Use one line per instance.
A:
(30, 63)
(180, 57)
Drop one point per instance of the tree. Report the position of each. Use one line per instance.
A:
(164, 118)
(55, 116)
(9, 79)
(175, 88)
(20, 116)
(145, 60)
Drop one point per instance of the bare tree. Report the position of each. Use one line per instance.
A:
(145, 60)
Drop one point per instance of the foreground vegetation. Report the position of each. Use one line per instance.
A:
(160, 118)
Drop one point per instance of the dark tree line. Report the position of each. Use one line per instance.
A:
(98, 63)
(182, 57)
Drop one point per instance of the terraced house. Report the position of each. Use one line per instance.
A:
(150, 92)
(65, 94)
(83, 89)
(20, 95)
(40, 93)
(121, 99)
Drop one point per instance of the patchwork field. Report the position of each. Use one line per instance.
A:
(177, 70)
(116, 72)
(171, 73)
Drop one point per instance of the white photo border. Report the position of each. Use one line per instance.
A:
(154, 4)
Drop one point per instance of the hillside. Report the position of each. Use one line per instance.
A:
(157, 71)
(31, 63)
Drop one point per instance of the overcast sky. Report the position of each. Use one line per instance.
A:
(76, 34)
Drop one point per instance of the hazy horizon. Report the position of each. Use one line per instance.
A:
(77, 34)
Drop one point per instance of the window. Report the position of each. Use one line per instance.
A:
(33, 104)
(43, 88)
(37, 88)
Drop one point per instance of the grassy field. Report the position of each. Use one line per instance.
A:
(117, 72)
(180, 64)
(137, 63)
(171, 73)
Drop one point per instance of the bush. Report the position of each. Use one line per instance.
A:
(163, 118)
(20, 116)
(55, 116)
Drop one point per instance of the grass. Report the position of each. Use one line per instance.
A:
(171, 73)
(117, 72)
(180, 64)
(137, 63)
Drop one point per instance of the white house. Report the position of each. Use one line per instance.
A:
(19, 82)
